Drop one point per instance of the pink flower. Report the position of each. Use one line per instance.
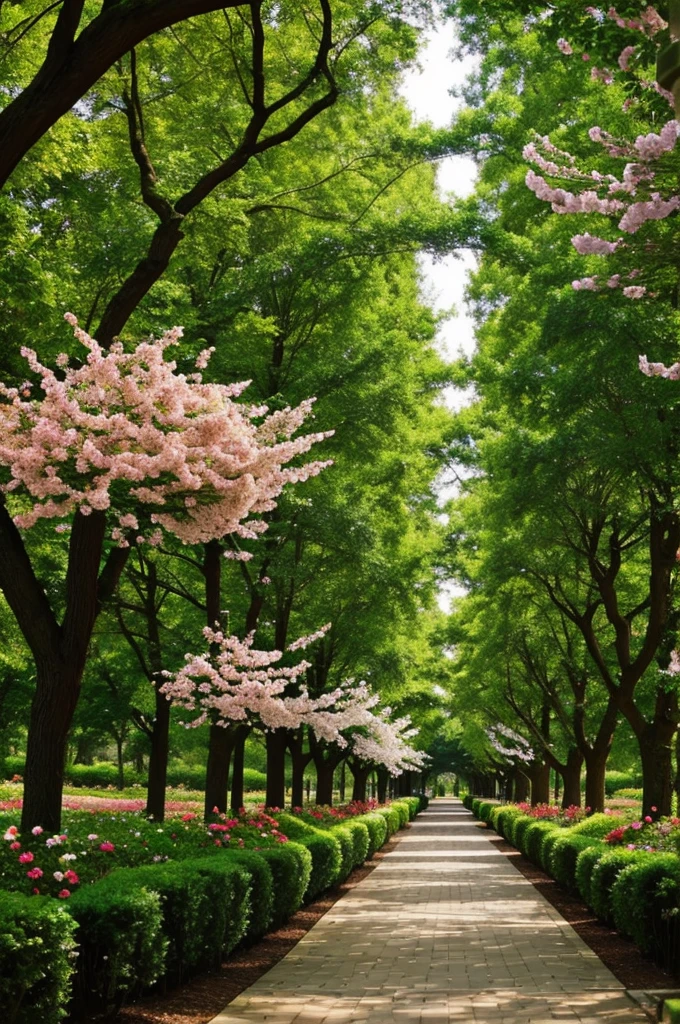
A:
(37, 831)
(64, 894)
(648, 819)
(26, 858)
(34, 873)
(71, 877)
(107, 847)
(15, 846)
(653, 808)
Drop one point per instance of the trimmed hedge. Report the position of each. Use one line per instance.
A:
(392, 819)
(597, 825)
(467, 801)
(361, 839)
(122, 946)
(325, 850)
(291, 868)
(643, 899)
(563, 856)
(377, 831)
(262, 894)
(534, 838)
(36, 958)
(604, 874)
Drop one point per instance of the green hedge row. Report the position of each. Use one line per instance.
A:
(635, 891)
(106, 774)
(138, 926)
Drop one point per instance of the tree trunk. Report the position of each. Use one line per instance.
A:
(596, 766)
(540, 783)
(54, 702)
(657, 766)
(220, 747)
(342, 786)
(571, 775)
(158, 758)
(324, 781)
(299, 761)
(119, 759)
(277, 741)
(236, 802)
(383, 781)
(521, 794)
(360, 773)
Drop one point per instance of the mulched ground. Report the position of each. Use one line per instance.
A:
(204, 997)
(622, 957)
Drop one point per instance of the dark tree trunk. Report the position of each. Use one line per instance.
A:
(383, 782)
(405, 784)
(60, 651)
(220, 747)
(342, 786)
(277, 741)
(299, 761)
(571, 775)
(360, 773)
(237, 801)
(540, 783)
(324, 781)
(596, 766)
(55, 699)
(657, 767)
(119, 759)
(158, 758)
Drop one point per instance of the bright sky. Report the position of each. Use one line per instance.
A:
(428, 93)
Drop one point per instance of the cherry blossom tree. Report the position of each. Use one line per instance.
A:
(118, 451)
(233, 682)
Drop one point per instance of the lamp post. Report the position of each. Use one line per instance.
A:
(668, 61)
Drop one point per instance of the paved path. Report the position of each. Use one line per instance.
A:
(444, 930)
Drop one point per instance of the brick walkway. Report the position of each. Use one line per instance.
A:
(444, 930)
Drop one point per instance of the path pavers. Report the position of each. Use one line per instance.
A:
(445, 930)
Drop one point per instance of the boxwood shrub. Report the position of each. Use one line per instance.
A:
(565, 850)
(503, 818)
(360, 839)
(423, 802)
(534, 837)
(414, 804)
(345, 839)
(36, 958)
(262, 890)
(518, 828)
(467, 801)
(291, 867)
(597, 825)
(122, 946)
(377, 831)
(392, 819)
(585, 865)
(641, 898)
(603, 876)
(403, 811)
(324, 848)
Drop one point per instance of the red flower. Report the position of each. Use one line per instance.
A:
(105, 848)
(64, 894)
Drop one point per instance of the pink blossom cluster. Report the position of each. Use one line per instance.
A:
(649, 22)
(234, 682)
(126, 433)
(519, 750)
(386, 743)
